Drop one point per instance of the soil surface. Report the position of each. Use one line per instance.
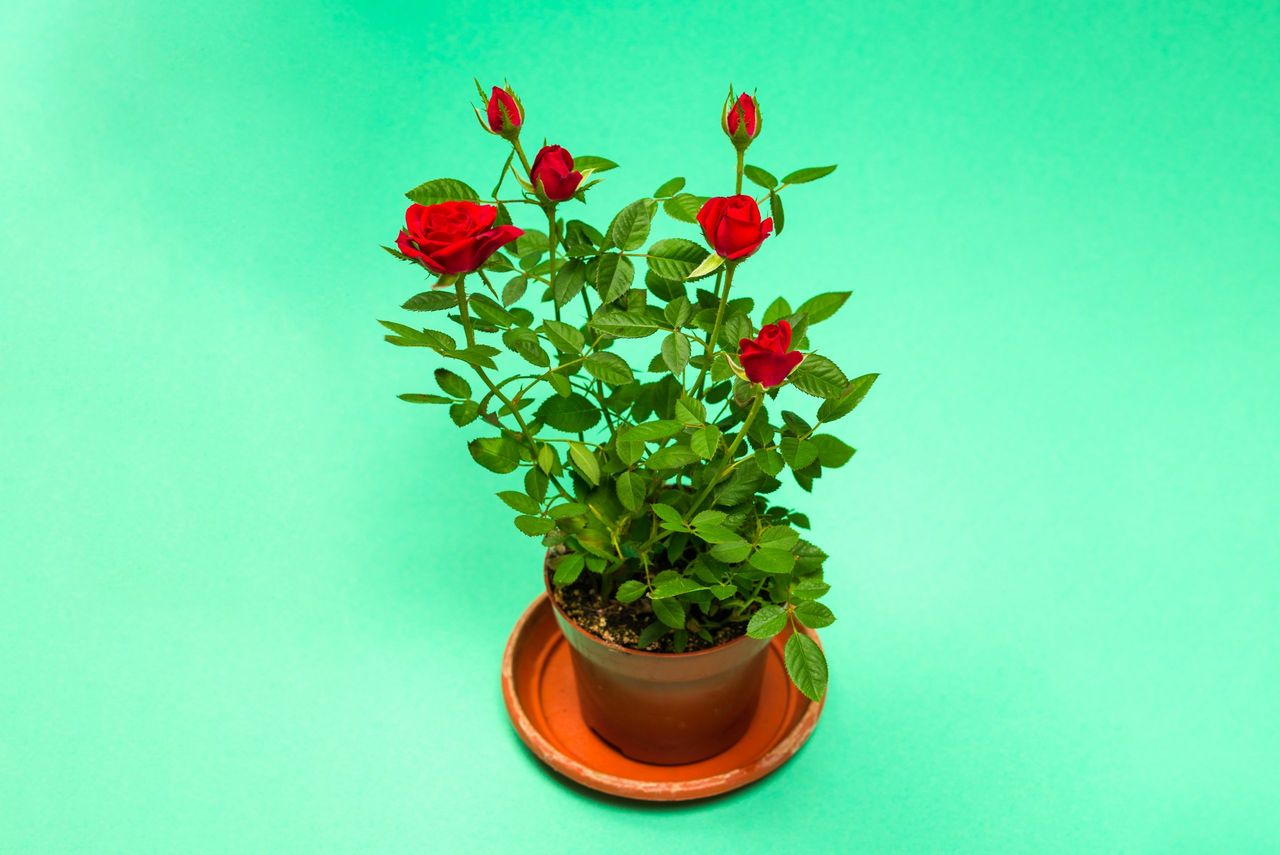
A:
(622, 623)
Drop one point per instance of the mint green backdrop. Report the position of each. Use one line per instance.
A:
(251, 602)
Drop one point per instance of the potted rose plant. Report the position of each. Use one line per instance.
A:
(625, 385)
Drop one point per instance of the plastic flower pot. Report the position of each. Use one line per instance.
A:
(665, 708)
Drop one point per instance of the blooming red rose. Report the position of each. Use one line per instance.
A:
(741, 118)
(769, 358)
(732, 226)
(501, 101)
(453, 237)
(553, 171)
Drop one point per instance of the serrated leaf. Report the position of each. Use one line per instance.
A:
(705, 441)
(631, 488)
(569, 280)
(442, 190)
(619, 324)
(779, 308)
(843, 404)
(684, 207)
(431, 301)
(832, 452)
(572, 414)
(798, 453)
(690, 411)
(629, 451)
(670, 612)
(565, 338)
(666, 513)
(651, 431)
(422, 398)
(609, 367)
(809, 173)
(809, 589)
(723, 592)
(678, 311)
(759, 176)
(814, 615)
(614, 275)
(707, 267)
(595, 164)
(772, 561)
(675, 587)
(769, 461)
(514, 290)
(464, 413)
(671, 457)
(518, 501)
(768, 621)
(806, 665)
(568, 569)
(585, 462)
(670, 188)
(452, 384)
(497, 454)
(534, 526)
(675, 258)
(630, 227)
(823, 306)
(777, 212)
(731, 551)
(819, 376)
(630, 591)
(675, 352)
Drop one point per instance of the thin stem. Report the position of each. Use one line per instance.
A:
(733, 447)
(714, 339)
(551, 256)
(738, 185)
(524, 161)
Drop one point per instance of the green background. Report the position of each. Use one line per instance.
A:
(251, 602)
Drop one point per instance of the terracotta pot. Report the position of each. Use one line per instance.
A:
(666, 708)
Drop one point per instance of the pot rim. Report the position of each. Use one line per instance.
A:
(546, 575)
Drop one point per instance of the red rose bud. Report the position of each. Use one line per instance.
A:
(453, 237)
(769, 359)
(740, 119)
(732, 226)
(553, 173)
(504, 112)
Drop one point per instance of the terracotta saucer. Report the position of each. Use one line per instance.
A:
(538, 686)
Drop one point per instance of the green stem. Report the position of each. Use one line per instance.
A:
(709, 352)
(738, 184)
(733, 447)
(551, 256)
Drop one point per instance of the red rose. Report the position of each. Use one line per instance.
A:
(453, 237)
(742, 114)
(732, 226)
(769, 359)
(553, 171)
(500, 102)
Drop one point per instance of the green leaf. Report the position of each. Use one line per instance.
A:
(514, 290)
(609, 367)
(675, 258)
(723, 592)
(772, 561)
(585, 462)
(814, 615)
(442, 190)
(731, 551)
(650, 634)
(431, 301)
(705, 441)
(631, 489)
(823, 306)
(619, 324)
(770, 462)
(452, 384)
(534, 526)
(678, 311)
(843, 404)
(832, 452)
(572, 414)
(798, 453)
(819, 376)
(690, 411)
(566, 510)
(630, 591)
(567, 339)
(569, 280)
(464, 413)
(675, 352)
(806, 665)
(778, 537)
(675, 185)
(776, 212)
(595, 164)
(568, 569)
(768, 621)
(684, 207)
(809, 173)
(518, 501)
(420, 398)
(532, 243)
(526, 343)
(614, 275)
(497, 454)
(650, 431)
(809, 589)
(670, 612)
(706, 518)
(759, 176)
(630, 227)
(629, 451)
(675, 587)
(779, 308)
(668, 514)
(708, 266)
(672, 457)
